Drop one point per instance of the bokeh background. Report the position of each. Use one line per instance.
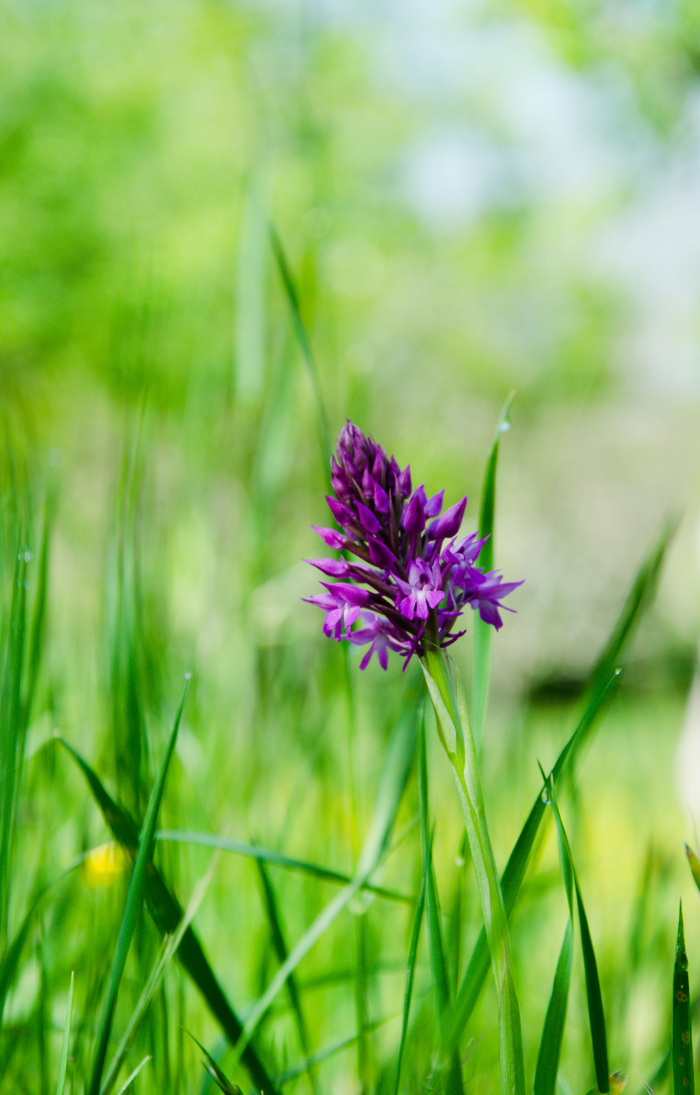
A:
(472, 198)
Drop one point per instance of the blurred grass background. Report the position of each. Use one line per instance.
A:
(471, 199)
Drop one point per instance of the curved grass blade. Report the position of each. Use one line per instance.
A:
(65, 1045)
(410, 973)
(130, 1079)
(266, 855)
(13, 729)
(449, 1066)
(683, 1073)
(218, 1076)
(392, 781)
(594, 997)
(281, 950)
(601, 687)
(638, 599)
(596, 1015)
(454, 730)
(290, 289)
(166, 912)
(555, 1019)
(167, 951)
(483, 633)
(694, 864)
(134, 901)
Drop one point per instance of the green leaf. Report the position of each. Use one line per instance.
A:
(482, 632)
(134, 902)
(683, 1072)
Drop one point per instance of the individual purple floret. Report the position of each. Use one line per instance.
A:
(406, 579)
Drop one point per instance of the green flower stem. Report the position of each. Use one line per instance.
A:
(457, 739)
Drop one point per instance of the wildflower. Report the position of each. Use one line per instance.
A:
(405, 578)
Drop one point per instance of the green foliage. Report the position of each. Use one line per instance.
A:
(212, 257)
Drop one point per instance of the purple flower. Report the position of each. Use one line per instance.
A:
(422, 590)
(407, 577)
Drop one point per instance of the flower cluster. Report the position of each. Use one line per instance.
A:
(406, 578)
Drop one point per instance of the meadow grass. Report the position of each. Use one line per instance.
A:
(335, 942)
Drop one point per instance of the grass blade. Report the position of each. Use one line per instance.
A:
(281, 950)
(516, 866)
(596, 1015)
(65, 1045)
(130, 1079)
(266, 855)
(134, 902)
(290, 289)
(683, 1072)
(555, 1019)
(483, 633)
(251, 278)
(410, 972)
(218, 1076)
(166, 912)
(438, 968)
(168, 949)
(12, 730)
(392, 781)
(601, 686)
(638, 599)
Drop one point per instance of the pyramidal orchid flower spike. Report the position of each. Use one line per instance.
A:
(407, 576)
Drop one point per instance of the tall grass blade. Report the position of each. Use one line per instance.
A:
(392, 781)
(218, 1076)
(601, 686)
(452, 1078)
(513, 875)
(134, 902)
(482, 632)
(251, 295)
(555, 1019)
(166, 912)
(454, 730)
(290, 289)
(12, 730)
(410, 972)
(638, 600)
(279, 943)
(683, 1072)
(596, 1016)
(65, 1045)
(130, 1079)
(168, 949)
(267, 855)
